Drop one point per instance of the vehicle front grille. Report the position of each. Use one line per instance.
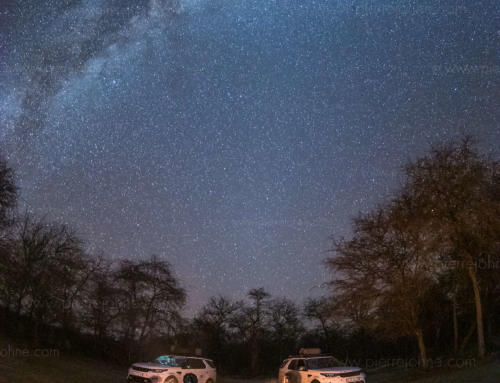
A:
(142, 369)
(349, 374)
(138, 379)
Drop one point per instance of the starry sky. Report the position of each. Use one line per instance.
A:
(235, 137)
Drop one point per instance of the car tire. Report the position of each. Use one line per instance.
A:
(209, 381)
(171, 379)
(190, 378)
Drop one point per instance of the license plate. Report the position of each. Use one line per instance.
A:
(353, 379)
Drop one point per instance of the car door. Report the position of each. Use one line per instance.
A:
(301, 371)
(293, 374)
(196, 371)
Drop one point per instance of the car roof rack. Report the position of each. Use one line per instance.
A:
(187, 355)
(309, 356)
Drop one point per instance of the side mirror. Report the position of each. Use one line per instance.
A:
(302, 368)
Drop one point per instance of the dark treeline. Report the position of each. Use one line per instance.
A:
(418, 277)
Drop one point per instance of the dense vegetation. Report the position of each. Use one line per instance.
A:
(419, 276)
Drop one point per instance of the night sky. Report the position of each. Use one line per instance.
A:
(235, 137)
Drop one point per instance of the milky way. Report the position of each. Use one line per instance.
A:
(235, 137)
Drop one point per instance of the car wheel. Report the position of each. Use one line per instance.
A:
(210, 381)
(171, 379)
(190, 378)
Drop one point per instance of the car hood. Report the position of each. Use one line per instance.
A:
(150, 366)
(337, 370)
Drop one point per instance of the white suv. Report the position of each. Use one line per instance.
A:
(173, 369)
(318, 369)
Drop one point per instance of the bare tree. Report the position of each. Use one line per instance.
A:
(387, 263)
(285, 326)
(250, 322)
(44, 273)
(8, 192)
(458, 192)
(8, 197)
(100, 303)
(320, 310)
(256, 315)
(213, 324)
(150, 298)
(444, 223)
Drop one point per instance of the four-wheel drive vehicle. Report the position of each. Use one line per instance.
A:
(318, 369)
(173, 369)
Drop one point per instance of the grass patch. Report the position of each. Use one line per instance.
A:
(486, 372)
(28, 365)
(58, 370)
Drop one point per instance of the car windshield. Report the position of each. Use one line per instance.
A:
(170, 361)
(319, 363)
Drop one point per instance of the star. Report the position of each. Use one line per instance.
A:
(235, 138)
